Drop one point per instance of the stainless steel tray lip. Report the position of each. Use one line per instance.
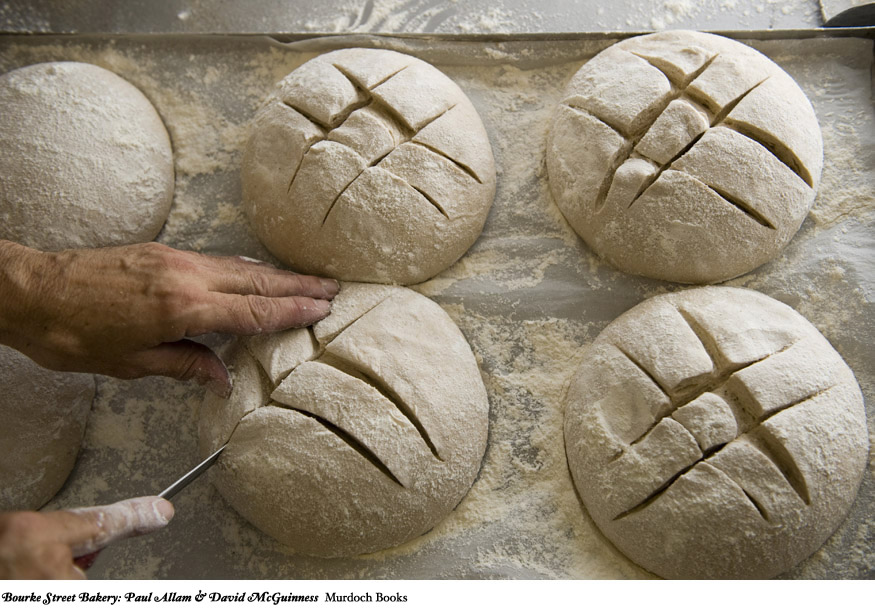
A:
(486, 37)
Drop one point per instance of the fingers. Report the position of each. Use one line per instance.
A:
(237, 275)
(34, 545)
(43, 545)
(184, 360)
(249, 315)
(74, 573)
(110, 523)
(67, 528)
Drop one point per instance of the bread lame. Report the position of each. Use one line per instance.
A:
(84, 562)
(181, 483)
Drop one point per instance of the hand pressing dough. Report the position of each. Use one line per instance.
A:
(714, 433)
(355, 435)
(368, 165)
(44, 415)
(684, 156)
(86, 159)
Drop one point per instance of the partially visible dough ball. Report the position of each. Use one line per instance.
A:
(714, 433)
(86, 159)
(684, 156)
(353, 436)
(368, 165)
(44, 415)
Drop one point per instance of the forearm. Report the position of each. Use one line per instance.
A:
(19, 279)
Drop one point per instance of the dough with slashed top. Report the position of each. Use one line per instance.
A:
(355, 435)
(368, 165)
(684, 156)
(715, 433)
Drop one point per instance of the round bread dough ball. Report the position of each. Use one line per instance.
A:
(86, 159)
(684, 156)
(368, 165)
(714, 433)
(355, 435)
(44, 415)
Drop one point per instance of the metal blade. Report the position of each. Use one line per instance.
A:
(191, 475)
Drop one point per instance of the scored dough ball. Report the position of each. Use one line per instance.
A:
(44, 415)
(355, 435)
(684, 156)
(714, 433)
(86, 159)
(368, 165)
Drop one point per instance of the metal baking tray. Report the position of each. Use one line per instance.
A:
(529, 296)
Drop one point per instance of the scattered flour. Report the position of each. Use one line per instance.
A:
(529, 296)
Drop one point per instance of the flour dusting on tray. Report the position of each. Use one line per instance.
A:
(529, 296)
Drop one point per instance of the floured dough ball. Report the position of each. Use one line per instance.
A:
(44, 415)
(714, 433)
(368, 165)
(684, 156)
(353, 436)
(86, 159)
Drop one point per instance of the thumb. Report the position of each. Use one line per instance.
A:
(123, 519)
(185, 360)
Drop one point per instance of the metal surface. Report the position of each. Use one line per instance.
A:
(181, 483)
(220, 35)
(399, 16)
(325, 38)
(513, 522)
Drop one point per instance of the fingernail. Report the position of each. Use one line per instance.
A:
(164, 510)
(218, 383)
(219, 388)
(313, 310)
(330, 287)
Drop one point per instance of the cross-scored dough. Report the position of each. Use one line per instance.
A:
(684, 156)
(743, 475)
(44, 416)
(360, 443)
(368, 165)
(86, 159)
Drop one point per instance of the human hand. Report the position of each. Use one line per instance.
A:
(37, 545)
(127, 311)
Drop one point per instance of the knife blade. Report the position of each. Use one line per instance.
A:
(181, 483)
(85, 561)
